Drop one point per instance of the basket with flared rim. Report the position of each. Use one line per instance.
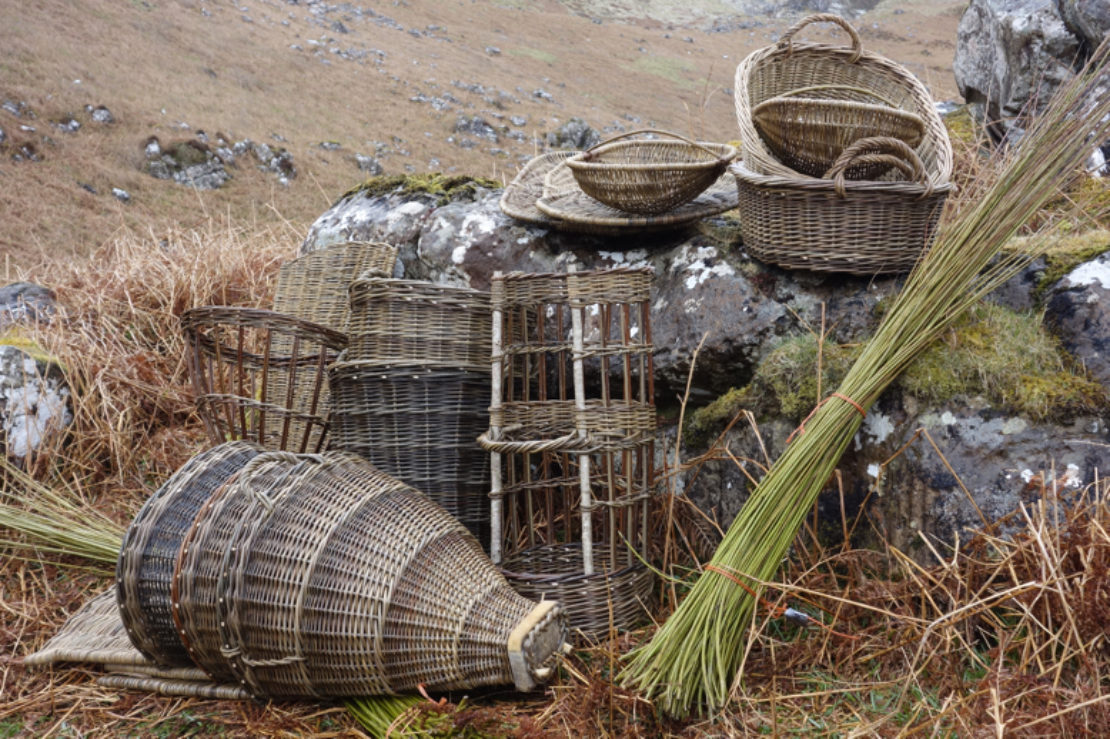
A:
(354, 583)
(649, 175)
(808, 128)
(839, 225)
(144, 571)
(790, 65)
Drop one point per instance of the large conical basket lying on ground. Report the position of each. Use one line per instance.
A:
(319, 575)
(146, 560)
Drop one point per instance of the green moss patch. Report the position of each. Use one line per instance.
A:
(1070, 250)
(447, 187)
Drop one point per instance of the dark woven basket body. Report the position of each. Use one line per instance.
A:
(788, 65)
(649, 176)
(324, 577)
(572, 440)
(419, 425)
(260, 375)
(144, 572)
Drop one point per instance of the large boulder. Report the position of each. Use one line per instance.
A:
(1078, 311)
(22, 302)
(34, 402)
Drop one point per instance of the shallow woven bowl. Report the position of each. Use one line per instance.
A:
(649, 176)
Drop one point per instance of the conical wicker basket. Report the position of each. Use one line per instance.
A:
(335, 579)
(314, 286)
(144, 572)
(778, 69)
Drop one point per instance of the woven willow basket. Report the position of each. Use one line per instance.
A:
(649, 176)
(338, 580)
(410, 323)
(837, 225)
(778, 69)
(144, 572)
(419, 425)
(314, 286)
(260, 375)
(808, 128)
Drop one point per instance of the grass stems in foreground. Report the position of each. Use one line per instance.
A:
(693, 660)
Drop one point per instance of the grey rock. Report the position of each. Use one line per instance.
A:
(476, 126)
(34, 403)
(1087, 19)
(189, 163)
(3, 136)
(543, 95)
(368, 164)
(330, 145)
(1078, 312)
(101, 114)
(68, 124)
(574, 134)
(493, 51)
(121, 195)
(25, 302)
(17, 108)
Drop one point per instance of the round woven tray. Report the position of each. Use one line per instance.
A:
(420, 426)
(857, 227)
(356, 584)
(788, 65)
(593, 603)
(144, 572)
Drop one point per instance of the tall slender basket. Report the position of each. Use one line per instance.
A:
(571, 440)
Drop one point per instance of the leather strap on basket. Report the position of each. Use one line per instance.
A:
(787, 40)
(880, 150)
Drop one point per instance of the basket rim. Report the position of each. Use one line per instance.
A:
(587, 160)
(814, 184)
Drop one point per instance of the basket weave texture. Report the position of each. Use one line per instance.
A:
(338, 580)
(314, 286)
(144, 572)
(260, 375)
(838, 225)
(572, 439)
(649, 176)
(809, 128)
(778, 69)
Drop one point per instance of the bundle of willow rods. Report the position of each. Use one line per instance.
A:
(694, 658)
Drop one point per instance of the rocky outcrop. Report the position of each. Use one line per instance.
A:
(1078, 309)
(25, 302)
(189, 163)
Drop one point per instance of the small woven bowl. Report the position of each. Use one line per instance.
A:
(649, 176)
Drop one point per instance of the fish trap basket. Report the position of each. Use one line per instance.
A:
(571, 440)
(144, 571)
(420, 425)
(352, 583)
(314, 286)
(777, 70)
(649, 176)
(411, 323)
(261, 376)
(837, 225)
(808, 128)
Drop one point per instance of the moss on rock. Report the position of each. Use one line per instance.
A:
(447, 188)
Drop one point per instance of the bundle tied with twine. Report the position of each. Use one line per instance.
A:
(692, 661)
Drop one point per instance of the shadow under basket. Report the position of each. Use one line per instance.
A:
(593, 603)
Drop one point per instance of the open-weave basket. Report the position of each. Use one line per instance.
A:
(411, 323)
(839, 225)
(144, 572)
(260, 375)
(649, 175)
(810, 127)
(788, 65)
(419, 425)
(343, 581)
(314, 286)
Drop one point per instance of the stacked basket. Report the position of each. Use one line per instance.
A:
(846, 163)
(319, 575)
(411, 392)
(571, 439)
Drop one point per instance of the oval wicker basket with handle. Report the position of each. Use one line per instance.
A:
(144, 572)
(789, 65)
(840, 225)
(808, 128)
(649, 175)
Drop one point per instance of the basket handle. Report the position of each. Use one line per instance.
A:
(586, 154)
(880, 150)
(849, 88)
(787, 40)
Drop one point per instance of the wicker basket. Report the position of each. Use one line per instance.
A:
(144, 572)
(409, 323)
(649, 176)
(808, 128)
(836, 225)
(314, 286)
(338, 580)
(778, 69)
(261, 375)
(420, 426)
